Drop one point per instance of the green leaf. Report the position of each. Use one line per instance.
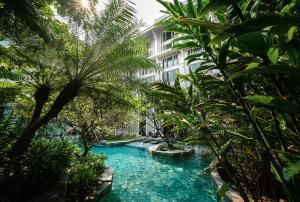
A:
(212, 26)
(253, 42)
(8, 84)
(223, 53)
(258, 24)
(254, 69)
(288, 7)
(165, 22)
(291, 33)
(178, 8)
(291, 169)
(189, 44)
(222, 191)
(181, 30)
(212, 6)
(275, 173)
(238, 135)
(274, 102)
(191, 8)
(199, 7)
(225, 147)
(273, 54)
(183, 38)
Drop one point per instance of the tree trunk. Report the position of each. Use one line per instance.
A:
(86, 149)
(22, 144)
(66, 95)
(41, 97)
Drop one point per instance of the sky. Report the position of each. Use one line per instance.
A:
(147, 10)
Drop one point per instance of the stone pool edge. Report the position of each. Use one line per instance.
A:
(118, 143)
(105, 185)
(231, 195)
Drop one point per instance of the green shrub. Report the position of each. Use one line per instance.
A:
(84, 176)
(86, 170)
(48, 159)
(43, 167)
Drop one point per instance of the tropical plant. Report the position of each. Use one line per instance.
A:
(251, 48)
(164, 104)
(109, 53)
(84, 176)
(96, 115)
(42, 169)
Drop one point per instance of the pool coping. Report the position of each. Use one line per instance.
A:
(105, 185)
(230, 195)
(117, 143)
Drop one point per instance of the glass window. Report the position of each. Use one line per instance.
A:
(170, 61)
(170, 75)
(194, 66)
(166, 40)
(149, 79)
(175, 60)
(167, 46)
(167, 35)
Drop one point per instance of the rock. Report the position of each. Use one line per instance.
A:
(186, 151)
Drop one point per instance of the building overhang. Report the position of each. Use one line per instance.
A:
(164, 54)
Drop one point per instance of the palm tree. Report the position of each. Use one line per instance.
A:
(109, 53)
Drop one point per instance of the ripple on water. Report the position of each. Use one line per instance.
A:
(139, 176)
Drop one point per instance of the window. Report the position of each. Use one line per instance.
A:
(166, 41)
(167, 36)
(170, 75)
(194, 66)
(167, 46)
(149, 79)
(170, 62)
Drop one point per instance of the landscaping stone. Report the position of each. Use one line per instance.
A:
(153, 150)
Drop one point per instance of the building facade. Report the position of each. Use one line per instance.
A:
(170, 60)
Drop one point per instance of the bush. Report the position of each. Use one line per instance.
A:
(44, 168)
(41, 169)
(48, 160)
(84, 176)
(86, 170)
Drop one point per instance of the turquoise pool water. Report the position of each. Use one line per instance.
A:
(140, 176)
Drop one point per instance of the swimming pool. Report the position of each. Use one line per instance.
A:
(140, 176)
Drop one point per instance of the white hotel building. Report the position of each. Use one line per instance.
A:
(161, 51)
(171, 62)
